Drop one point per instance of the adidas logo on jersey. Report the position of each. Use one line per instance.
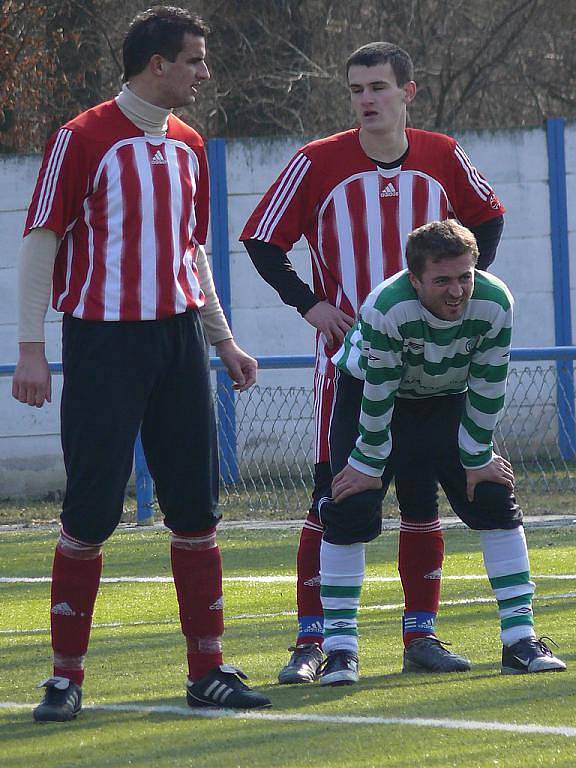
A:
(62, 609)
(389, 191)
(218, 605)
(158, 159)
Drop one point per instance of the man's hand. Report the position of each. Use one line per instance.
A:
(330, 321)
(498, 471)
(349, 481)
(32, 383)
(240, 367)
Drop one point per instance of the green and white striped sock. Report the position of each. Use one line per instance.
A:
(341, 576)
(508, 568)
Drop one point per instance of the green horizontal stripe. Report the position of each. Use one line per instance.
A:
(367, 460)
(378, 407)
(490, 373)
(351, 613)
(479, 434)
(485, 404)
(474, 460)
(518, 621)
(327, 590)
(348, 631)
(502, 340)
(374, 438)
(487, 289)
(511, 580)
(515, 601)
(382, 375)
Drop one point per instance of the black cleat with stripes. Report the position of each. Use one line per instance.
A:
(224, 687)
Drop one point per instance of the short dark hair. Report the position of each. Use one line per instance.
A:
(436, 241)
(161, 30)
(371, 54)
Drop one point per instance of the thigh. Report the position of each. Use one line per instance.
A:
(323, 407)
(108, 373)
(344, 422)
(179, 430)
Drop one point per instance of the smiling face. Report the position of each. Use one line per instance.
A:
(377, 100)
(446, 285)
(179, 80)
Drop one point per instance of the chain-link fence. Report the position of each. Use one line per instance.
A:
(275, 432)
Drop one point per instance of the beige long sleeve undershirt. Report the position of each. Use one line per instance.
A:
(40, 246)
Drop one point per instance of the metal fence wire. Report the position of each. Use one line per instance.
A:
(275, 435)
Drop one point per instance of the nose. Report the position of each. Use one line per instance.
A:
(202, 72)
(455, 290)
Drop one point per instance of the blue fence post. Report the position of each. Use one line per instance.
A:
(221, 269)
(144, 486)
(561, 283)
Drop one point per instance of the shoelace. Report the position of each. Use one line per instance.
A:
(332, 656)
(544, 647)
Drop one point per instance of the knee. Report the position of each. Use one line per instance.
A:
(356, 519)
(496, 506)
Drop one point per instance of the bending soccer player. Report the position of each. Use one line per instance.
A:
(118, 220)
(421, 381)
(355, 196)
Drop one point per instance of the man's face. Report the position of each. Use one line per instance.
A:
(446, 286)
(377, 100)
(182, 77)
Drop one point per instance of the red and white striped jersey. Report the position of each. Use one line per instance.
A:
(356, 216)
(130, 210)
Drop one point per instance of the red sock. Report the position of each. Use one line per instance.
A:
(75, 581)
(310, 614)
(420, 558)
(197, 570)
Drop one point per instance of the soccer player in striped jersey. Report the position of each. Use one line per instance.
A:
(117, 223)
(420, 384)
(355, 197)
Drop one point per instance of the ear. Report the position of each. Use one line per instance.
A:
(156, 65)
(409, 91)
(414, 282)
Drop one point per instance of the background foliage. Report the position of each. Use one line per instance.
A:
(277, 65)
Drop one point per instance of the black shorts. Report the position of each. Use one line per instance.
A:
(424, 453)
(118, 377)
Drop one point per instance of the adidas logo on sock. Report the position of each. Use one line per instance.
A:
(437, 574)
(62, 609)
(389, 191)
(313, 582)
(218, 605)
(158, 159)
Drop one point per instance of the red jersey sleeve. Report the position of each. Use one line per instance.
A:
(283, 214)
(62, 184)
(472, 198)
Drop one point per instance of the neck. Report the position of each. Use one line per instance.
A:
(385, 147)
(146, 116)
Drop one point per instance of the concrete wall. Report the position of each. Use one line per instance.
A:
(516, 164)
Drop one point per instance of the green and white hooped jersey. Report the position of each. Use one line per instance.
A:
(401, 349)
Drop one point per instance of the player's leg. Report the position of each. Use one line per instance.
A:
(421, 544)
(179, 440)
(347, 526)
(496, 514)
(107, 373)
(307, 650)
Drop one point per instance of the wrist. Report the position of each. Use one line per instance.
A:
(29, 349)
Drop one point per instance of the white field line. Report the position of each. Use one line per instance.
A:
(268, 579)
(288, 717)
(280, 614)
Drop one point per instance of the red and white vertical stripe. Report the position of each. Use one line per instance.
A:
(50, 180)
(288, 184)
(130, 257)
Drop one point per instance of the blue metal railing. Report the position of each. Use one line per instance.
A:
(144, 487)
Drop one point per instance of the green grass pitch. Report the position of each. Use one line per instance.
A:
(136, 714)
